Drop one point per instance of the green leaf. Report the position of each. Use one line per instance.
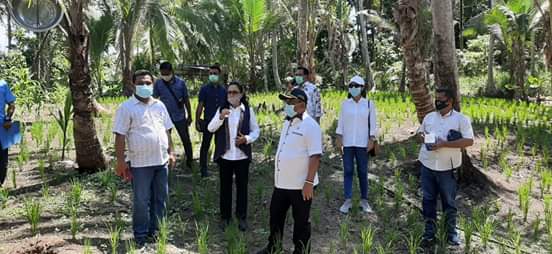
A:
(254, 13)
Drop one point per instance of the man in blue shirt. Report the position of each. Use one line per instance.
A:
(6, 98)
(211, 96)
(172, 91)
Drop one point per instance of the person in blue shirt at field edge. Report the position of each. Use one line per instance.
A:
(211, 96)
(172, 91)
(6, 98)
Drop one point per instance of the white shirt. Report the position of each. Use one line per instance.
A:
(299, 140)
(352, 124)
(314, 100)
(145, 128)
(444, 158)
(235, 154)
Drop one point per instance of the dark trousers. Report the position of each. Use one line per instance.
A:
(436, 183)
(183, 132)
(204, 150)
(279, 205)
(3, 164)
(151, 190)
(229, 169)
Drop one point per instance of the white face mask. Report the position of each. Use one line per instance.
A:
(167, 78)
(234, 100)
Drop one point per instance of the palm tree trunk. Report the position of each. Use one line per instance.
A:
(490, 89)
(445, 69)
(275, 73)
(89, 151)
(364, 44)
(10, 34)
(302, 26)
(402, 86)
(407, 17)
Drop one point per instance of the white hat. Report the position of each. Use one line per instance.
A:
(357, 80)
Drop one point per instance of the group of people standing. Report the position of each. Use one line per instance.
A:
(144, 122)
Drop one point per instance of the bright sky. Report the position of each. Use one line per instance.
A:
(3, 34)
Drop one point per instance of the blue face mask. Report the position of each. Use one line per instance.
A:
(213, 78)
(355, 91)
(299, 80)
(290, 111)
(144, 91)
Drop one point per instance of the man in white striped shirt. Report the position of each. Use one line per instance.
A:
(144, 123)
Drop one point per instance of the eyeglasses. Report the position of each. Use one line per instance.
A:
(353, 85)
(233, 92)
(213, 73)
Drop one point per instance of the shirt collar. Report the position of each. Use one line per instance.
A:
(135, 100)
(446, 115)
(362, 99)
(241, 107)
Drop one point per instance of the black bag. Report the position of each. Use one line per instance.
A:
(454, 135)
(179, 103)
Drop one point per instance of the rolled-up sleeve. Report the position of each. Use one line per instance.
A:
(373, 119)
(215, 123)
(255, 131)
(339, 129)
(121, 123)
(10, 98)
(466, 128)
(314, 140)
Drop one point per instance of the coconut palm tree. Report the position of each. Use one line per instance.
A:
(513, 22)
(101, 36)
(89, 151)
(409, 17)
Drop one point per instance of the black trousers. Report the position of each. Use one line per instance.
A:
(204, 150)
(229, 169)
(3, 164)
(279, 205)
(184, 133)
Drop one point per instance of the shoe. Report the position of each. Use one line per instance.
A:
(365, 206)
(140, 243)
(427, 242)
(242, 225)
(346, 206)
(454, 241)
(151, 238)
(204, 174)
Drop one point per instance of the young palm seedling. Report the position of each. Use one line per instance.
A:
(4, 196)
(130, 247)
(32, 213)
(468, 228)
(536, 227)
(344, 233)
(202, 233)
(114, 237)
(113, 192)
(236, 241)
(486, 231)
(524, 194)
(163, 238)
(14, 178)
(367, 237)
(87, 247)
(74, 221)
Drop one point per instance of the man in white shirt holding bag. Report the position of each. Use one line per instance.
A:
(445, 133)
